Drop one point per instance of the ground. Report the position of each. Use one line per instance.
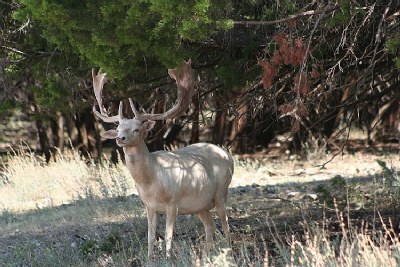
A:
(273, 200)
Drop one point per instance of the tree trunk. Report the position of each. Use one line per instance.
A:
(239, 125)
(43, 140)
(220, 121)
(297, 142)
(86, 133)
(60, 131)
(157, 143)
(195, 120)
(219, 128)
(3, 90)
(44, 144)
(98, 142)
(387, 117)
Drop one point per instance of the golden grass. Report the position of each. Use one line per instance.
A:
(29, 182)
(347, 247)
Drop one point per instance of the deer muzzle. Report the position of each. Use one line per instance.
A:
(120, 140)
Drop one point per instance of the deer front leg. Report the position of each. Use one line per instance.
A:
(152, 218)
(171, 213)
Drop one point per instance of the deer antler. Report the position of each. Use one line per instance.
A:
(185, 82)
(99, 80)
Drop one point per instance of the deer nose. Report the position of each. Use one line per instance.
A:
(121, 138)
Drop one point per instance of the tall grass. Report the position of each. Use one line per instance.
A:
(28, 182)
(351, 245)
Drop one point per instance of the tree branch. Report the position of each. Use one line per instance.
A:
(291, 17)
(14, 50)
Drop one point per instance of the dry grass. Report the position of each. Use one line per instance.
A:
(30, 182)
(350, 245)
(73, 211)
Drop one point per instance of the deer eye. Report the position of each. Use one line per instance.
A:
(136, 130)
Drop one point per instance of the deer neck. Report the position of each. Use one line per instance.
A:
(140, 164)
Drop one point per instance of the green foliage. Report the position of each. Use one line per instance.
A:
(6, 106)
(35, 68)
(335, 191)
(340, 192)
(393, 46)
(397, 62)
(89, 248)
(191, 20)
(248, 229)
(391, 177)
(51, 95)
(112, 243)
(290, 6)
(229, 75)
(343, 16)
(7, 217)
(233, 72)
(338, 182)
(324, 195)
(225, 25)
(120, 36)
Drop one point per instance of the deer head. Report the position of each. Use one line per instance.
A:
(131, 131)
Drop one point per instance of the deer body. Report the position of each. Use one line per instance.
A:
(191, 180)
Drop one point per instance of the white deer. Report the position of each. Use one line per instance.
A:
(191, 180)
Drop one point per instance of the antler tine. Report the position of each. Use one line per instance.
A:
(135, 111)
(99, 80)
(105, 118)
(120, 109)
(185, 82)
(141, 116)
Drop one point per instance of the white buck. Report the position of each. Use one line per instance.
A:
(191, 180)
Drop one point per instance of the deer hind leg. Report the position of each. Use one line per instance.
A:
(221, 210)
(209, 226)
(171, 213)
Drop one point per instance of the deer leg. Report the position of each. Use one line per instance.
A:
(152, 218)
(209, 226)
(171, 213)
(221, 210)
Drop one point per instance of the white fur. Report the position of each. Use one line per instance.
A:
(191, 180)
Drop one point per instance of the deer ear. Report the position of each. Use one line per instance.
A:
(147, 126)
(172, 73)
(110, 134)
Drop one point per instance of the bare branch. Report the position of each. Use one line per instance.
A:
(14, 50)
(27, 23)
(292, 17)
